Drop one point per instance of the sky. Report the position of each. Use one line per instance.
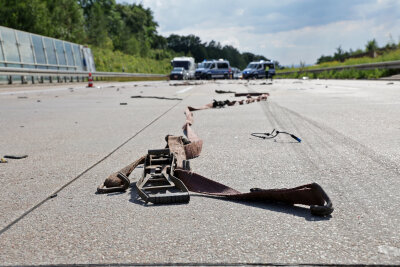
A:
(289, 31)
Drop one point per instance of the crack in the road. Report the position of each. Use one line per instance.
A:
(88, 169)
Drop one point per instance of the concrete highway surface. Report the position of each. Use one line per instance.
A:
(76, 136)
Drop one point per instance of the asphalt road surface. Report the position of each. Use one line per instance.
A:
(76, 136)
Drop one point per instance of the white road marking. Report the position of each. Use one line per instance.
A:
(184, 90)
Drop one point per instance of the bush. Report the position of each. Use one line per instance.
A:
(116, 61)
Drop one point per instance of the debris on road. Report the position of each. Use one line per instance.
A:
(15, 156)
(186, 83)
(3, 160)
(119, 181)
(265, 83)
(274, 134)
(224, 92)
(167, 173)
(156, 97)
(123, 104)
(250, 94)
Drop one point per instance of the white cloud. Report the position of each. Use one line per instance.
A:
(239, 11)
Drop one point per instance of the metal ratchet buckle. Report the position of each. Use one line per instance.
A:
(158, 185)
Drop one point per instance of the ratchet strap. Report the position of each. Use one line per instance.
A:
(171, 167)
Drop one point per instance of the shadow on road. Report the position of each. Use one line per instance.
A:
(272, 206)
(277, 207)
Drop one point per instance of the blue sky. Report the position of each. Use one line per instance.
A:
(289, 31)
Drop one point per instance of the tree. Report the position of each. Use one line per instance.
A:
(323, 59)
(96, 24)
(31, 16)
(371, 46)
(391, 44)
(62, 19)
(340, 55)
(66, 20)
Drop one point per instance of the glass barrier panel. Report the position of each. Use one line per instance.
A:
(25, 47)
(10, 45)
(78, 57)
(16, 79)
(1, 49)
(70, 57)
(60, 52)
(3, 79)
(38, 48)
(51, 54)
(14, 65)
(29, 66)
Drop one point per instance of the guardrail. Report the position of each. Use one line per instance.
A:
(67, 75)
(369, 66)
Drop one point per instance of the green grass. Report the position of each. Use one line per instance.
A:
(115, 61)
(354, 74)
(343, 74)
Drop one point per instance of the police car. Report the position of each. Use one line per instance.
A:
(259, 69)
(213, 69)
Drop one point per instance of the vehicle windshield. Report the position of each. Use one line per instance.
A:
(183, 64)
(178, 69)
(207, 65)
(252, 66)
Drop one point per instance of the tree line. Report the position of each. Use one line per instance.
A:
(129, 28)
(192, 45)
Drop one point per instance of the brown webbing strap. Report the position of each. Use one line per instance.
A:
(119, 181)
(305, 194)
(250, 94)
(310, 194)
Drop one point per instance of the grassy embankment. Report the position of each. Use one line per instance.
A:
(350, 73)
(115, 61)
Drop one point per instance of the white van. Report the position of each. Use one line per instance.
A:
(185, 62)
